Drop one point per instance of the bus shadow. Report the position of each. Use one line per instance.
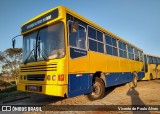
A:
(109, 90)
(136, 101)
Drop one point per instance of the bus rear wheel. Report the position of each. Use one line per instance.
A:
(98, 90)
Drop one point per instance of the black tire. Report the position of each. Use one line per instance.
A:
(98, 90)
(134, 81)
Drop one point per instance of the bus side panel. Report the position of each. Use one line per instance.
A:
(118, 78)
(79, 84)
(102, 62)
(140, 75)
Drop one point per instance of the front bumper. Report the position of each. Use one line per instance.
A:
(54, 90)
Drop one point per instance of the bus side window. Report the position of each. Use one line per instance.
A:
(136, 52)
(95, 40)
(154, 60)
(130, 52)
(122, 49)
(145, 59)
(150, 60)
(158, 60)
(81, 42)
(77, 35)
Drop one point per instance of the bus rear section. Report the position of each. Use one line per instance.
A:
(152, 67)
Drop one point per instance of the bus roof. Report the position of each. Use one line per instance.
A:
(85, 20)
(152, 55)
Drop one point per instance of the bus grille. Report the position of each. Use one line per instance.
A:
(39, 68)
(39, 77)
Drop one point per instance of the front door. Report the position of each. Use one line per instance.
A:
(79, 79)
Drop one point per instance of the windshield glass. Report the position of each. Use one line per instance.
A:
(47, 43)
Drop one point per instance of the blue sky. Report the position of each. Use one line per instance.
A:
(137, 21)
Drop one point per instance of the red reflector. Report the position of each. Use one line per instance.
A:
(61, 77)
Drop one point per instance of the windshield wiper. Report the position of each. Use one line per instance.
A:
(44, 55)
(28, 56)
(42, 51)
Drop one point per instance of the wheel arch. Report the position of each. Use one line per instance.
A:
(100, 75)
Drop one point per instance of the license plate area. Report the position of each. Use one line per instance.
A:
(34, 88)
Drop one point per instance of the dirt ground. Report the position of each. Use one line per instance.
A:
(146, 93)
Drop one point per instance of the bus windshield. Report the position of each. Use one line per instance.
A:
(47, 43)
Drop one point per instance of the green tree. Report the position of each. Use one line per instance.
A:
(10, 60)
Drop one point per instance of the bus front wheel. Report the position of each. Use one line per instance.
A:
(98, 90)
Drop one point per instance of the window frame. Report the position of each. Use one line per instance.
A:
(95, 40)
(111, 45)
(154, 60)
(120, 49)
(138, 54)
(130, 52)
(158, 60)
(86, 46)
(150, 60)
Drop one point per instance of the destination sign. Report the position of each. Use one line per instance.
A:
(41, 20)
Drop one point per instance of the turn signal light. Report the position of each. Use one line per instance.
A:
(61, 77)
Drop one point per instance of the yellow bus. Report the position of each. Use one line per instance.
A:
(152, 67)
(65, 54)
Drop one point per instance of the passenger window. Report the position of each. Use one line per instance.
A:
(109, 49)
(120, 44)
(115, 51)
(122, 49)
(91, 33)
(77, 35)
(159, 60)
(95, 40)
(136, 52)
(111, 45)
(99, 36)
(124, 46)
(141, 56)
(100, 47)
(108, 40)
(145, 59)
(154, 60)
(150, 59)
(130, 52)
(114, 43)
(92, 45)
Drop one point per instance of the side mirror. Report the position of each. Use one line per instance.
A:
(13, 43)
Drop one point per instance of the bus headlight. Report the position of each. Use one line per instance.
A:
(25, 77)
(53, 77)
(21, 77)
(48, 77)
